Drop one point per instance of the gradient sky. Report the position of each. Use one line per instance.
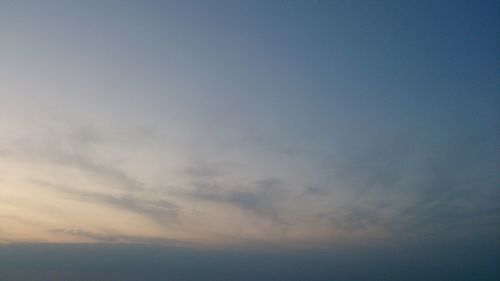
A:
(298, 124)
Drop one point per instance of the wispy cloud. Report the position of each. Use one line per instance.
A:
(72, 145)
(116, 238)
(260, 198)
(409, 188)
(393, 184)
(205, 170)
(159, 210)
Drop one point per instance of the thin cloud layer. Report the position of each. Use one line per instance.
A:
(393, 188)
(299, 125)
(116, 238)
(159, 210)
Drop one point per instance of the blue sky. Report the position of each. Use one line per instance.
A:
(296, 124)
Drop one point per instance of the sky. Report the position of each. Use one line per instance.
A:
(337, 126)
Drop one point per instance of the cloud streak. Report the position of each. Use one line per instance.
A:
(259, 199)
(116, 238)
(159, 210)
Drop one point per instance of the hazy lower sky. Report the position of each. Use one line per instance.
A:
(291, 124)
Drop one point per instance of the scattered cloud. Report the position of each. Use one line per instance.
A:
(159, 210)
(204, 170)
(394, 183)
(259, 198)
(116, 238)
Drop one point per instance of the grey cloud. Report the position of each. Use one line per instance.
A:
(87, 135)
(114, 176)
(269, 183)
(259, 199)
(73, 146)
(203, 170)
(116, 238)
(424, 218)
(444, 185)
(81, 139)
(376, 164)
(443, 218)
(453, 192)
(98, 237)
(159, 210)
(316, 190)
(353, 218)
